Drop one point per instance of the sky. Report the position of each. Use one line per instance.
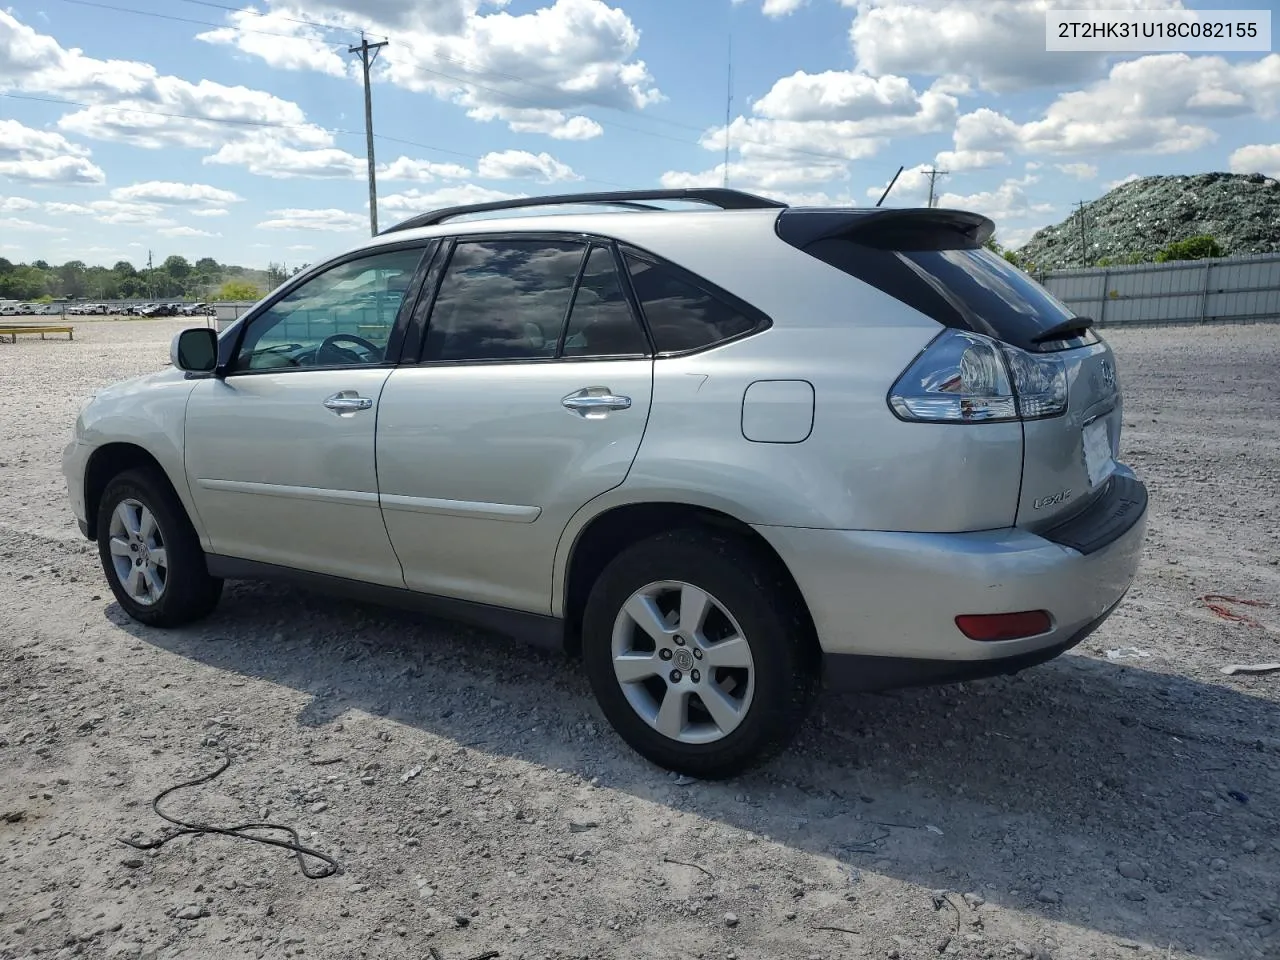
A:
(131, 128)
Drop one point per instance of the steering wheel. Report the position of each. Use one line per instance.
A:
(346, 356)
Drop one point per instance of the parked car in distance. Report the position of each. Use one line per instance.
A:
(724, 456)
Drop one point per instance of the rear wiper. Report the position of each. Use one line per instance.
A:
(1063, 330)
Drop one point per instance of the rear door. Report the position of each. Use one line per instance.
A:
(531, 397)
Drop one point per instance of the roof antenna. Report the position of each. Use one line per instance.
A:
(728, 100)
(890, 186)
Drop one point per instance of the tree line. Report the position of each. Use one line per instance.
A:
(175, 278)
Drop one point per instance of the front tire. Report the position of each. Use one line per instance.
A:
(699, 652)
(151, 554)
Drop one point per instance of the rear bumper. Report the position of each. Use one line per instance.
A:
(894, 597)
(851, 672)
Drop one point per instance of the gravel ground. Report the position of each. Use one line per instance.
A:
(1095, 807)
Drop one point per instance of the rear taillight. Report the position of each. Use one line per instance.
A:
(1004, 626)
(966, 377)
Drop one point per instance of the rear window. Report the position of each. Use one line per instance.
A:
(981, 284)
(966, 287)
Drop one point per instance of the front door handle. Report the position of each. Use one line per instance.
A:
(347, 402)
(595, 402)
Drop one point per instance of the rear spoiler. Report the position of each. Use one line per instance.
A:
(920, 228)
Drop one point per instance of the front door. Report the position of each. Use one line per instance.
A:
(280, 452)
(531, 399)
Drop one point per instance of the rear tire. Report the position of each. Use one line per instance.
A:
(151, 554)
(742, 669)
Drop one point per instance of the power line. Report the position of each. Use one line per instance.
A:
(279, 16)
(202, 23)
(368, 54)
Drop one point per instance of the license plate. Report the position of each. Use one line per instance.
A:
(1097, 452)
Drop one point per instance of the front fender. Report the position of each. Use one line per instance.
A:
(147, 412)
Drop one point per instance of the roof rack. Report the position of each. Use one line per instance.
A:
(720, 197)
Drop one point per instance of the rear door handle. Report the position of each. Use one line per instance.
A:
(595, 401)
(346, 402)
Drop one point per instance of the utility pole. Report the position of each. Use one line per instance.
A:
(934, 175)
(1084, 235)
(368, 54)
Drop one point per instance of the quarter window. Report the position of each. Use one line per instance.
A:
(682, 316)
(341, 317)
(503, 300)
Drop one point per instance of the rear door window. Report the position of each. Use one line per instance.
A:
(601, 323)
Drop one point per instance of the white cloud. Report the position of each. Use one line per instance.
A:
(132, 102)
(958, 161)
(300, 247)
(416, 201)
(1008, 201)
(336, 221)
(808, 128)
(1112, 184)
(533, 71)
(210, 212)
(1081, 171)
(781, 8)
(841, 95)
(425, 171)
(1001, 44)
(1257, 158)
(267, 157)
(42, 156)
(186, 232)
(281, 41)
(113, 212)
(174, 194)
(28, 226)
(523, 165)
(1155, 104)
(1017, 237)
(16, 204)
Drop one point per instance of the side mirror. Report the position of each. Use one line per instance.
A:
(195, 350)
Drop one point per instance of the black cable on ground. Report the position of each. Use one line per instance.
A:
(295, 846)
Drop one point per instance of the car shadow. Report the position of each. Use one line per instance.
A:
(1030, 791)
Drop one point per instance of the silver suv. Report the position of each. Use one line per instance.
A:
(725, 455)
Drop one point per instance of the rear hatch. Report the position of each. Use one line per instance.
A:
(935, 261)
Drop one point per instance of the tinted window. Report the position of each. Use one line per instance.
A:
(503, 300)
(340, 317)
(681, 315)
(601, 323)
(981, 284)
(952, 281)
